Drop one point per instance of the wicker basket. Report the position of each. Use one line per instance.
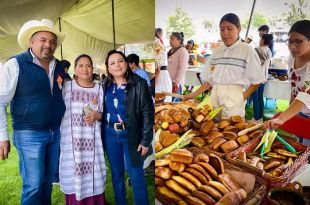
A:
(272, 181)
(254, 197)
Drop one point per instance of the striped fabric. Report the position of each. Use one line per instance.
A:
(82, 167)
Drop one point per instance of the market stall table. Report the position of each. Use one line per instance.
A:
(277, 89)
(191, 76)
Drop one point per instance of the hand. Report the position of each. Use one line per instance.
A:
(273, 124)
(189, 96)
(142, 149)
(92, 117)
(4, 149)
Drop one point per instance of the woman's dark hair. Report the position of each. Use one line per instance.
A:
(179, 36)
(267, 38)
(264, 28)
(128, 70)
(302, 27)
(231, 18)
(157, 31)
(83, 56)
(191, 42)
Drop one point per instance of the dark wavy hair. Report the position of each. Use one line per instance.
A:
(83, 56)
(128, 70)
(179, 36)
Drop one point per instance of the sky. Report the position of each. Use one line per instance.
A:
(214, 10)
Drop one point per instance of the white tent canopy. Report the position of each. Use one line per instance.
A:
(87, 24)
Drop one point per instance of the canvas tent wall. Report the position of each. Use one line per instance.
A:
(87, 24)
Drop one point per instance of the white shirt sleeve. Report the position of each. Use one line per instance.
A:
(254, 72)
(8, 82)
(304, 94)
(206, 72)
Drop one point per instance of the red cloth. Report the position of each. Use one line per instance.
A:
(93, 200)
(297, 125)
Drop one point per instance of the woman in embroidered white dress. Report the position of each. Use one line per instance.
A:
(82, 166)
(299, 76)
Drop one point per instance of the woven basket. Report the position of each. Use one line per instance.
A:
(254, 197)
(272, 181)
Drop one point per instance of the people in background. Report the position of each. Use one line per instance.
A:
(127, 128)
(162, 77)
(32, 83)
(66, 64)
(159, 35)
(264, 54)
(264, 29)
(232, 67)
(177, 62)
(299, 76)
(194, 57)
(133, 62)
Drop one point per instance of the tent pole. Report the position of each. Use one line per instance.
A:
(113, 22)
(59, 23)
(250, 20)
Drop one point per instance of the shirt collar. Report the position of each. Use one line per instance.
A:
(36, 60)
(237, 43)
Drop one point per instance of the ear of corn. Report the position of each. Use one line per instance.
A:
(214, 112)
(204, 102)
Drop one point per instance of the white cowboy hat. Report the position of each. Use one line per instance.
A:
(33, 26)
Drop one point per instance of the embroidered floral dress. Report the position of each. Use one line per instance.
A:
(300, 84)
(82, 166)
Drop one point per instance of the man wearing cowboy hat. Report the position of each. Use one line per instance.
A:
(32, 83)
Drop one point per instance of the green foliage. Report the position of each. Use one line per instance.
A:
(299, 9)
(208, 24)
(180, 21)
(258, 19)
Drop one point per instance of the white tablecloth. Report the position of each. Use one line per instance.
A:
(277, 89)
(191, 76)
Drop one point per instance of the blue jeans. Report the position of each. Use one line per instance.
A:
(38, 153)
(175, 99)
(258, 102)
(116, 147)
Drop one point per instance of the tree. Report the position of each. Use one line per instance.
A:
(208, 24)
(298, 11)
(180, 22)
(258, 19)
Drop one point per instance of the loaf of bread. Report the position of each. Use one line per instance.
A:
(191, 178)
(237, 119)
(201, 170)
(223, 123)
(158, 146)
(197, 174)
(230, 135)
(177, 166)
(217, 143)
(243, 139)
(173, 185)
(229, 146)
(229, 182)
(213, 173)
(211, 191)
(241, 125)
(201, 158)
(159, 181)
(218, 186)
(194, 200)
(185, 183)
(198, 142)
(163, 190)
(213, 135)
(206, 127)
(204, 197)
(169, 139)
(181, 155)
(162, 162)
(216, 163)
(163, 172)
(231, 128)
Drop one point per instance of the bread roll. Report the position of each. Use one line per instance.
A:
(163, 172)
(223, 123)
(211, 191)
(217, 143)
(181, 155)
(196, 124)
(158, 146)
(162, 162)
(201, 170)
(191, 178)
(218, 186)
(177, 166)
(229, 135)
(163, 190)
(213, 135)
(243, 139)
(198, 142)
(230, 198)
(209, 169)
(206, 127)
(194, 200)
(229, 146)
(204, 197)
(197, 174)
(228, 181)
(241, 126)
(256, 133)
(217, 163)
(185, 183)
(182, 203)
(169, 140)
(237, 119)
(173, 185)
(231, 128)
(159, 181)
(242, 156)
(201, 158)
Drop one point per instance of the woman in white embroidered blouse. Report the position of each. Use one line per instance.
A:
(231, 68)
(299, 74)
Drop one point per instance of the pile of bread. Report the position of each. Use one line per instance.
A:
(196, 180)
(274, 164)
(222, 137)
